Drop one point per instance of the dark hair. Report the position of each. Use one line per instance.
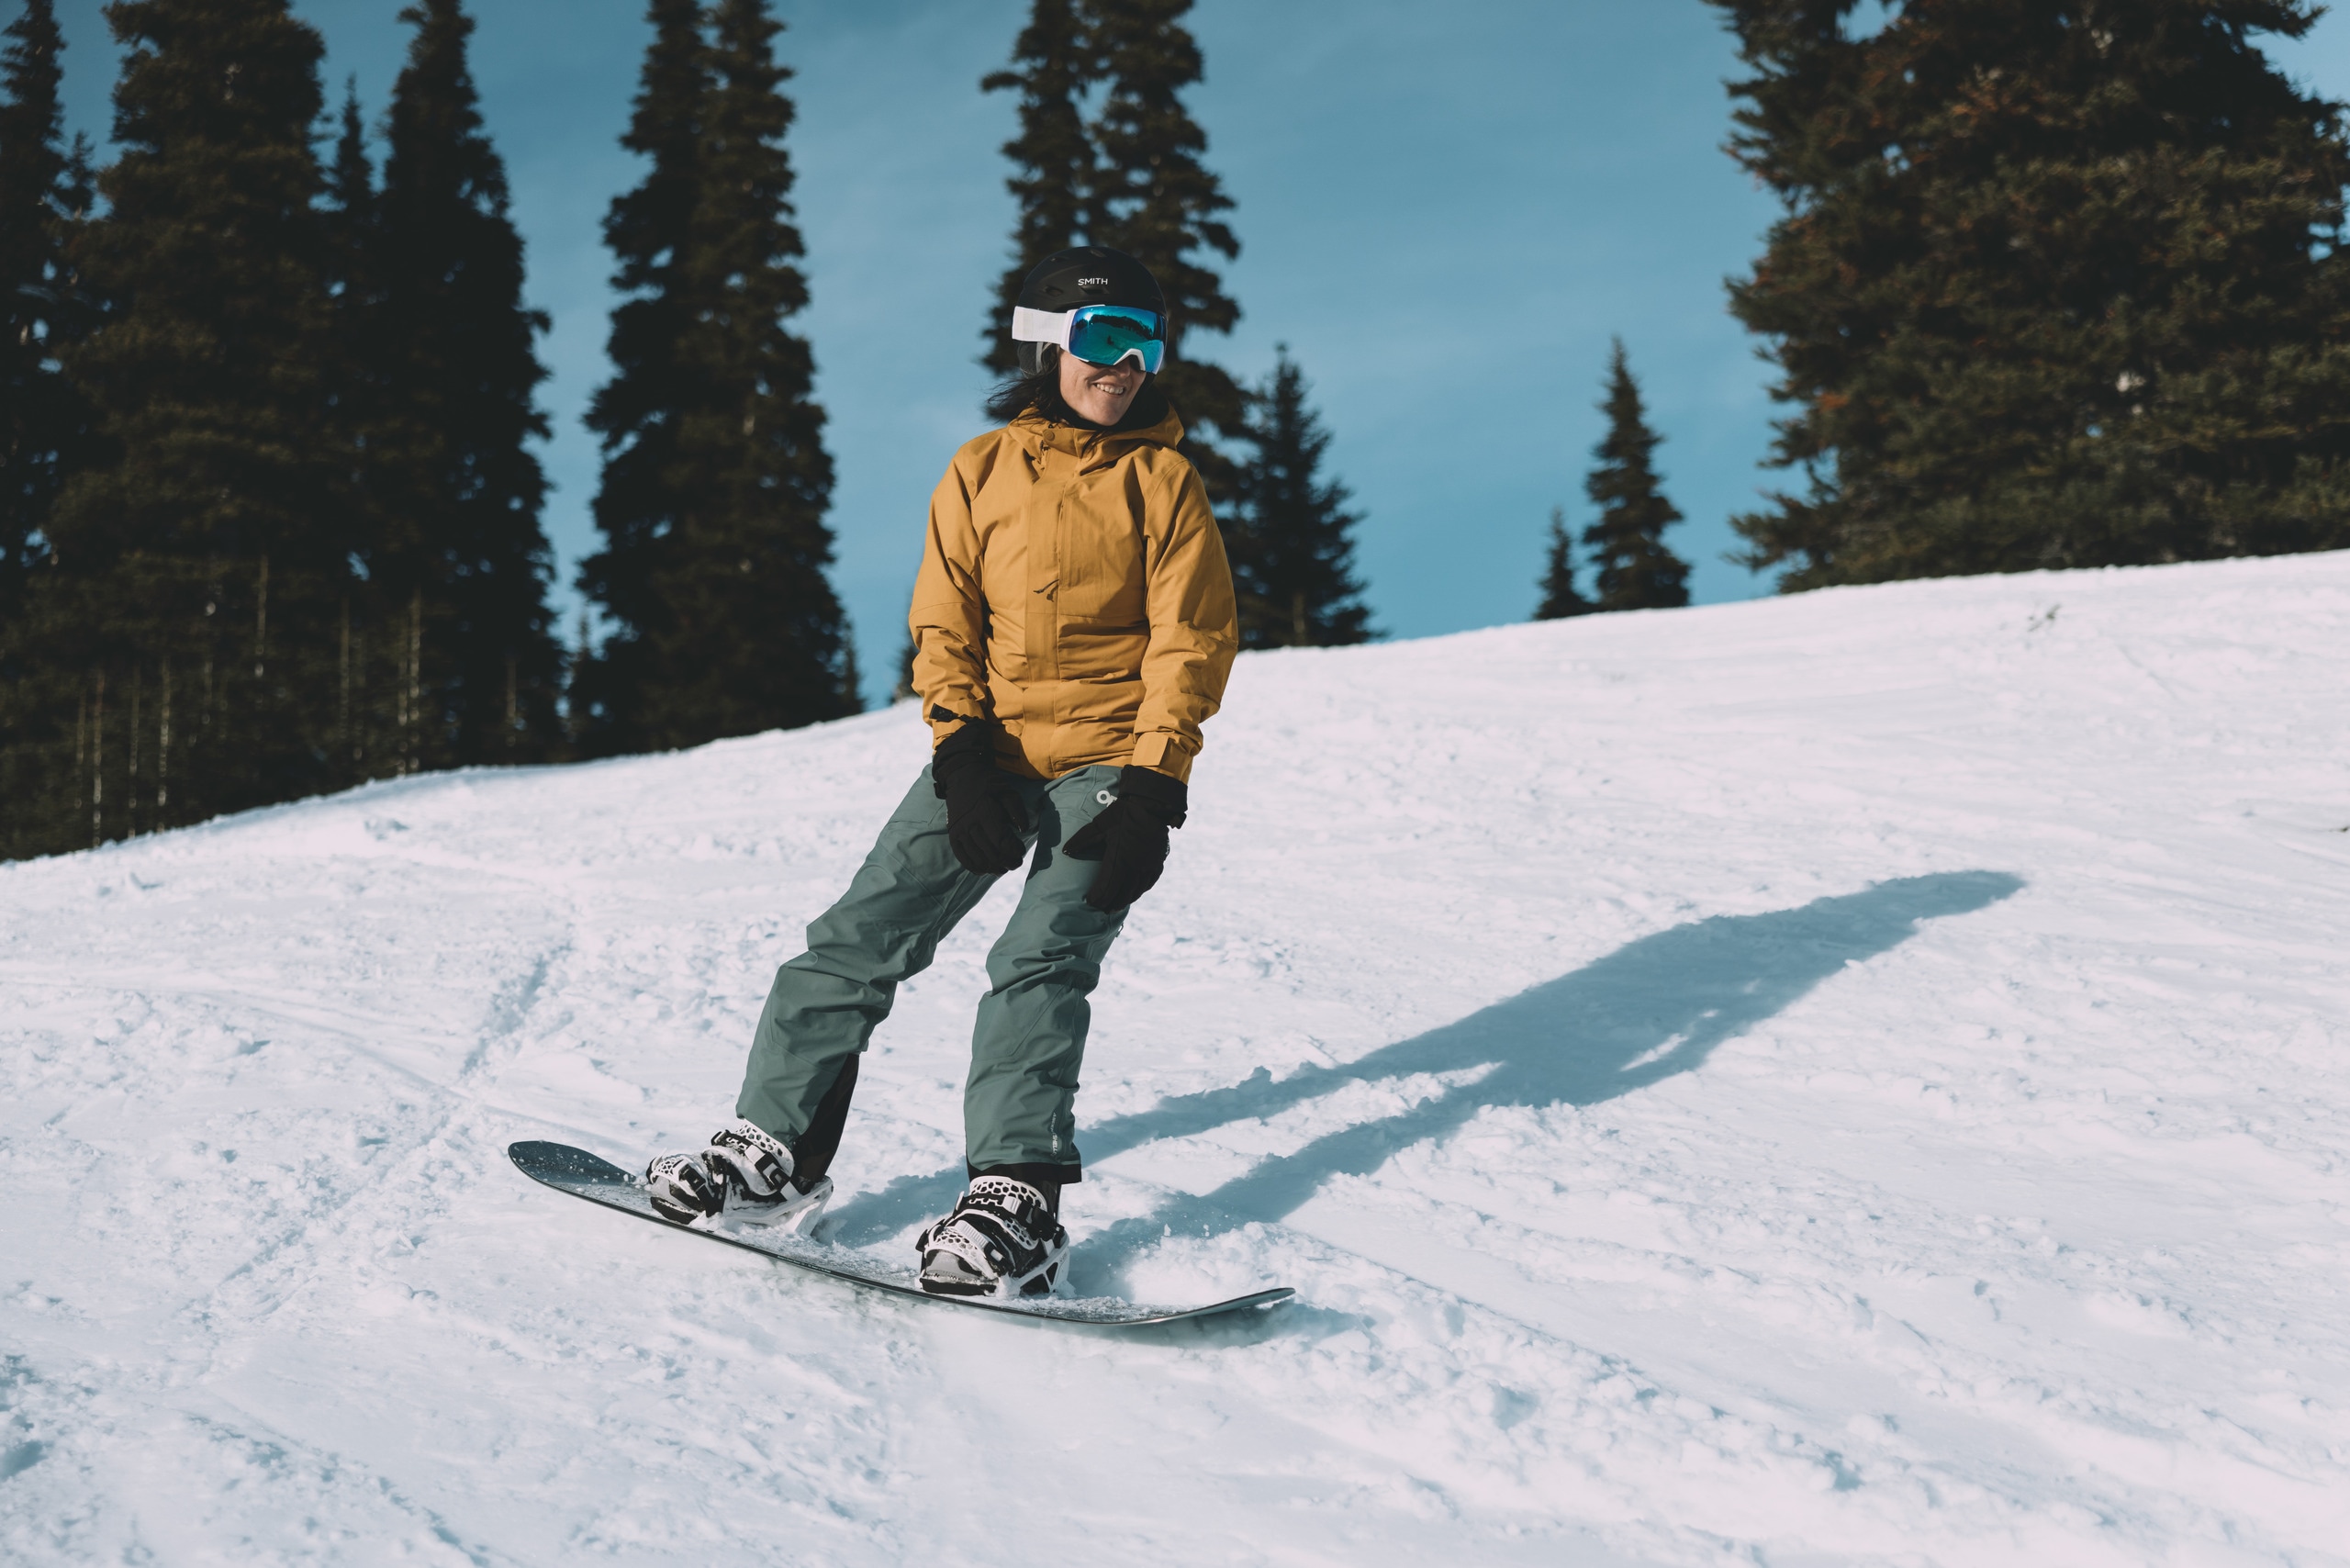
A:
(1040, 394)
(1040, 390)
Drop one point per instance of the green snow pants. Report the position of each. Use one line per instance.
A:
(1018, 1106)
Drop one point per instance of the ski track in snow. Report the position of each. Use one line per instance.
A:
(1854, 1079)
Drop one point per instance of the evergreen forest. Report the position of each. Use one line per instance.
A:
(2053, 285)
(271, 515)
(2049, 284)
(273, 520)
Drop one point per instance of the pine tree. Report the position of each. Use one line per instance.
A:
(368, 741)
(1632, 567)
(44, 309)
(1292, 549)
(1053, 157)
(206, 376)
(1155, 199)
(2055, 286)
(637, 412)
(1132, 178)
(1561, 598)
(739, 630)
(354, 277)
(448, 456)
(206, 554)
(43, 191)
(351, 200)
(756, 642)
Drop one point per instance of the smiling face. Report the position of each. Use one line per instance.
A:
(1099, 393)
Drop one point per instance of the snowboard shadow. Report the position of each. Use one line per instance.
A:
(1653, 1008)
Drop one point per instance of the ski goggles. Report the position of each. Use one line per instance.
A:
(1099, 334)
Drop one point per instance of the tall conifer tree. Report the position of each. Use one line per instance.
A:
(1053, 173)
(208, 548)
(460, 489)
(2056, 286)
(1293, 550)
(43, 189)
(351, 197)
(756, 640)
(1156, 200)
(365, 742)
(207, 374)
(1561, 598)
(354, 272)
(1633, 568)
(1132, 177)
(639, 411)
(739, 630)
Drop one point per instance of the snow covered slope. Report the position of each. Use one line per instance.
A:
(1858, 1079)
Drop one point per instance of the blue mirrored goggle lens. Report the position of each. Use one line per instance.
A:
(1106, 334)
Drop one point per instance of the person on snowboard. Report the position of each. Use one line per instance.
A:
(1073, 626)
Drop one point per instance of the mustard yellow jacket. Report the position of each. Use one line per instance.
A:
(1074, 588)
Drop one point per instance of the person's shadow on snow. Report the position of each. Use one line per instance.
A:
(1653, 1008)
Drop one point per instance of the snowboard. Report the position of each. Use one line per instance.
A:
(583, 1175)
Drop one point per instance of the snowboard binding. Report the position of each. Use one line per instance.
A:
(1002, 1240)
(743, 1174)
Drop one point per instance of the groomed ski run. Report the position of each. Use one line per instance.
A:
(1861, 1078)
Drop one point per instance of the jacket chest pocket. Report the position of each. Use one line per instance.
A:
(1101, 558)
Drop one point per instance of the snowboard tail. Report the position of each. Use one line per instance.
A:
(584, 1175)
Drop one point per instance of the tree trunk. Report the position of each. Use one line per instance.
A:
(98, 764)
(163, 746)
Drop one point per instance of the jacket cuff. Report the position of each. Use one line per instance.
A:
(945, 722)
(1162, 754)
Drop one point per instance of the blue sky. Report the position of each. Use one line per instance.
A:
(1446, 212)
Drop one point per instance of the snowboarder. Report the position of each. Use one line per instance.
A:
(1073, 625)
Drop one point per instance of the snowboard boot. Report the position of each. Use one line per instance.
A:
(743, 1175)
(1002, 1240)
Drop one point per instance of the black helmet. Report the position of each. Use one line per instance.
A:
(1091, 274)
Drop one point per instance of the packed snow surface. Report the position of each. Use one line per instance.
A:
(1856, 1079)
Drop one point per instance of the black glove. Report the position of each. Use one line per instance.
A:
(984, 816)
(1130, 837)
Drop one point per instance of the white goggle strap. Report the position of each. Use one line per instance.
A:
(1040, 326)
(1052, 327)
